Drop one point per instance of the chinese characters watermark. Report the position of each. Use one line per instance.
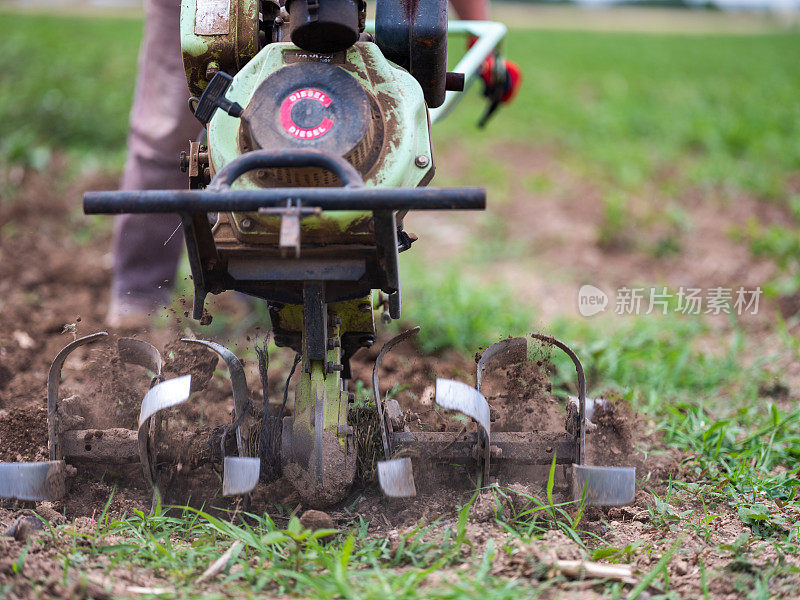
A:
(661, 300)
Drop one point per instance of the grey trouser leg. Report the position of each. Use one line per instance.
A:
(161, 126)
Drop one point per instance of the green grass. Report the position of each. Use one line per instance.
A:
(178, 544)
(624, 106)
(627, 108)
(66, 84)
(457, 309)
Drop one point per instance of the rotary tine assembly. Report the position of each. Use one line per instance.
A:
(493, 453)
(71, 444)
(240, 473)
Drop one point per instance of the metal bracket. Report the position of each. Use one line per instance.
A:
(291, 216)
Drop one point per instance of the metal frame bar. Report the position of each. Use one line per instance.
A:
(228, 200)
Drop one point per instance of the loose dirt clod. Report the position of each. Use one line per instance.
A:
(181, 358)
(316, 519)
(23, 527)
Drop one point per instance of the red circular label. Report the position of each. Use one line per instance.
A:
(293, 128)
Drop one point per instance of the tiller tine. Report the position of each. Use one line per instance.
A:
(604, 486)
(54, 425)
(457, 396)
(138, 352)
(36, 481)
(45, 480)
(396, 477)
(68, 440)
(162, 396)
(240, 473)
(597, 485)
(510, 350)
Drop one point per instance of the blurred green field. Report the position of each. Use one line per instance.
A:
(625, 107)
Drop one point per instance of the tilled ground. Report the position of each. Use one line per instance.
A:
(54, 277)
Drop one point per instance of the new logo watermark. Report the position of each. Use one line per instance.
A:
(661, 300)
(591, 300)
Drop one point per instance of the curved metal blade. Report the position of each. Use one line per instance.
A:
(238, 383)
(454, 395)
(138, 352)
(166, 394)
(53, 385)
(605, 486)
(36, 481)
(516, 348)
(396, 477)
(240, 475)
(549, 339)
(384, 424)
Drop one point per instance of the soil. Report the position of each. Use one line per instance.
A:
(103, 389)
(54, 286)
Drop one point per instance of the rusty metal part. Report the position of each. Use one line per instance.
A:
(119, 446)
(290, 215)
(213, 17)
(523, 447)
(113, 446)
(53, 385)
(197, 165)
(212, 36)
(386, 426)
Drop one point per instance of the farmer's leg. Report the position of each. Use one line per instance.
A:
(161, 126)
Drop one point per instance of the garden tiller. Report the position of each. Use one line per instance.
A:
(316, 144)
